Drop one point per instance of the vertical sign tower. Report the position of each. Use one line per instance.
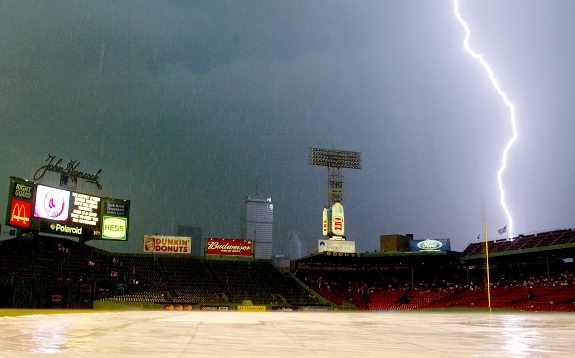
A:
(334, 160)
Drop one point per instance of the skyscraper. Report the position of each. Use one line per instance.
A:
(259, 216)
(196, 234)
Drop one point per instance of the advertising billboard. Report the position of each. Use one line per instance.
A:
(65, 212)
(168, 244)
(431, 245)
(19, 213)
(343, 246)
(51, 203)
(229, 247)
(337, 221)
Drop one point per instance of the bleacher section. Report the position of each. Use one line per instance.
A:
(160, 279)
(522, 242)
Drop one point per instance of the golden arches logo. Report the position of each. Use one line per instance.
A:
(19, 216)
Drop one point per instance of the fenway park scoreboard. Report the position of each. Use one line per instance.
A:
(59, 211)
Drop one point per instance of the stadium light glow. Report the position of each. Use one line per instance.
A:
(508, 104)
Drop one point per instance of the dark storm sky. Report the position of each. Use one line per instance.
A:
(189, 106)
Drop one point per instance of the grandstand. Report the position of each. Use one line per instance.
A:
(551, 240)
(532, 272)
(35, 268)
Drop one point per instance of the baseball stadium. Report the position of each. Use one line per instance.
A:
(59, 294)
(530, 273)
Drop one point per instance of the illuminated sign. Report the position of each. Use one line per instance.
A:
(168, 244)
(51, 203)
(114, 227)
(325, 222)
(23, 191)
(337, 227)
(431, 245)
(65, 229)
(58, 211)
(229, 247)
(20, 211)
(85, 209)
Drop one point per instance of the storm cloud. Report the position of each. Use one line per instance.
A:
(189, 106)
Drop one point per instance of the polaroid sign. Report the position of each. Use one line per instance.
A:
(65, 229)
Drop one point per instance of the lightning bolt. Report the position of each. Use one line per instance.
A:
(510, 106)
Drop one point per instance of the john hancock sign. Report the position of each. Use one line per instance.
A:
(71, 170)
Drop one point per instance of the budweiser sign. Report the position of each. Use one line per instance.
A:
(229, 247)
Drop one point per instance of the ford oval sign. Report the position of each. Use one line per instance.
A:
(429, 245)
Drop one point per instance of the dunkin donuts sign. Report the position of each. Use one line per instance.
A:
(168, 244)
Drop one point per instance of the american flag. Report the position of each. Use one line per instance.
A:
(68, 182)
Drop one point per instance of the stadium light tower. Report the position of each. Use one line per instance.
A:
(334, 160)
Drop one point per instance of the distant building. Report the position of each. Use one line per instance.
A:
(294, 249)
(395, 243)
(259, 216)
(290, 248)
(196, 234)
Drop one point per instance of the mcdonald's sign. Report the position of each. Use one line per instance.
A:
(20, 212)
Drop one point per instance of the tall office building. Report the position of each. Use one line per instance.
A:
(259, 217)
(196, 234)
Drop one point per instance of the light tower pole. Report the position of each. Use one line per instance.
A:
(334, 160)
